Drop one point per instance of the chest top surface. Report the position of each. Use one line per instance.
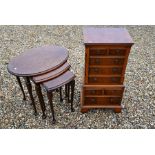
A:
(106, 36)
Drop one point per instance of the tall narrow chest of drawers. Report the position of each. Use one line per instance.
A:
(106, 56)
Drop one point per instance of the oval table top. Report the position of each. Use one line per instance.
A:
(37, 61)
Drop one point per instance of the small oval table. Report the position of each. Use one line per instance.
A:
(36, 61)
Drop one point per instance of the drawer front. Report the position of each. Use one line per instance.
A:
(106, 61)
(104, 80)
(94, 92)
(104, 91)
(117, 52)
(107, 52)
(102, 100)
(105, 71)
(113, 92)
(98, 52)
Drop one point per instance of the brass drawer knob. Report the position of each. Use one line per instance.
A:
(92, 91)
(116, 61)
(113, 79)
(93, 100)
(96, 70)
(94, 79)
(97, 61)
(113, 91)
(112, 100)
(102, 92)
(117, 51)
(98, 52)
(103, 52)
(114, 70)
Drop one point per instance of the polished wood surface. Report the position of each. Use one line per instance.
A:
(107, 52)
(37, 61)
(103, 95)
(46, 77)
(41, 100)
(98, 60)
(43, 61)
(105, 70)
(52, 74)
(59, 81)
(104, 80)
(66, 79)
(106, 56)
(106, 36)
(21, 87)
(29, 87)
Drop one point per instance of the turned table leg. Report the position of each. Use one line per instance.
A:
(50, 98)
(66, 90)
(41, 100)
(29, 87)
(21, 87)
(72, 94)
(61, 99)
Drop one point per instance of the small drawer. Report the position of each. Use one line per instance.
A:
(115, 100)
(117, 52)
(102, 100)
(113, 92)
(97, 52)
(94, 92)
(105, 71)
(104, 80)
(106, 61)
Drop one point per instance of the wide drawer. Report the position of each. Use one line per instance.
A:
(103, 90)
(104, 80)
(107, 52)
(102, 95)
(105, 71)
(102, 100)
(106, 61)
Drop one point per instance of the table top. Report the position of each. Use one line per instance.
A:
(51, 75)
(106, 36)
(37, 61)
(59, 81)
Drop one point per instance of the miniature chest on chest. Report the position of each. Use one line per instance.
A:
(106, 57)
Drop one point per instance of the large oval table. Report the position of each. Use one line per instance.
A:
(36, 61)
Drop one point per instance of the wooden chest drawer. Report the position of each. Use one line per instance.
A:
(106, 61)
(102, 100)
(105, 70)
(113, 92)
(98, 52)
(107, 52)
(103, 90)
(104, 80)
(117, 52)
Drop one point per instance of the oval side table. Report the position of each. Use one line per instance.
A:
(36, 61)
